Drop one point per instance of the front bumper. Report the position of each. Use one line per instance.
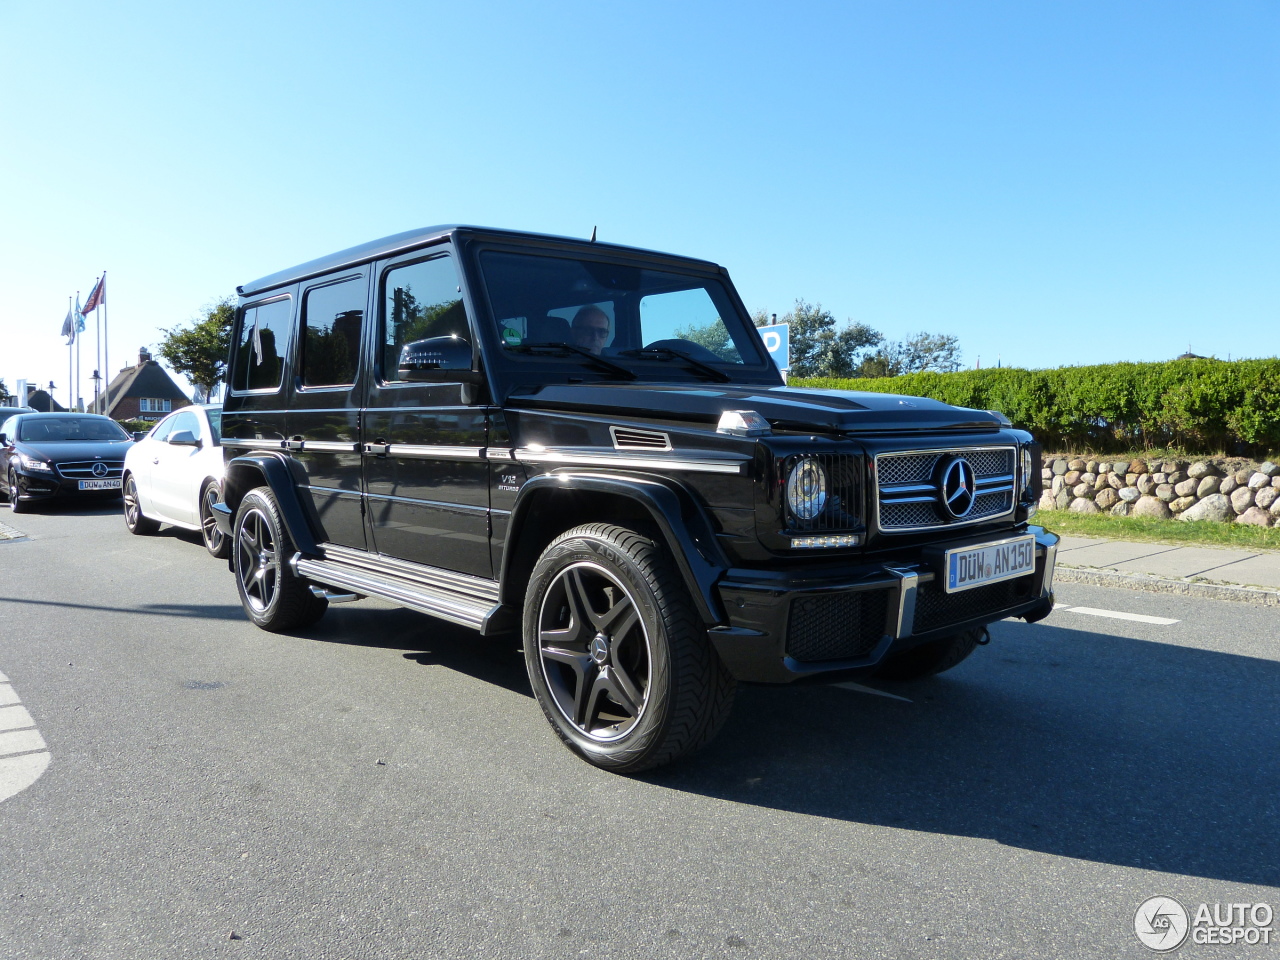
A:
(785, 627)
(38, 485)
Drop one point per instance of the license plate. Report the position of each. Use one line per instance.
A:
(100, 484)
(969, 567)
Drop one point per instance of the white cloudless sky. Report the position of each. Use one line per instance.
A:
(1053, 183)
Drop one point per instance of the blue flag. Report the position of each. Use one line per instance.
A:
(79, 316)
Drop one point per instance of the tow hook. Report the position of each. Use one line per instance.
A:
(985, 638)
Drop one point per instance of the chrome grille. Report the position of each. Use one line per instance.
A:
(841, 509)
(907, 495)
(83, 469)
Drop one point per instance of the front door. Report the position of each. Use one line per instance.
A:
(425, 473)
(322, 426)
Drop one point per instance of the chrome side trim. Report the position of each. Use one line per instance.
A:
(329, 446)
(908, 581)
(426, 451)
(464, 507)
(499, 453)
(254, 444)
(526, 455)
(345, 494)
(413, 573)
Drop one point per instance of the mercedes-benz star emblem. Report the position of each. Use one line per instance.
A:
(99, 469)
(957, 485)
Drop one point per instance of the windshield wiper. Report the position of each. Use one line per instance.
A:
(559, 347)
(669, 353)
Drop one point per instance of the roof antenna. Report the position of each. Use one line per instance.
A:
(593, 234)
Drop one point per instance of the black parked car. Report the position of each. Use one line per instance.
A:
(48, 455)
(588, 444)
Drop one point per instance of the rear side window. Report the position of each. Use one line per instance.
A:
(419, 301)
(260, 346)
(331, 320)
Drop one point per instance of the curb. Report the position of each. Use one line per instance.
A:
(1185, 588)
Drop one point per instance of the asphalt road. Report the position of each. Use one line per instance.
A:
(385, 786)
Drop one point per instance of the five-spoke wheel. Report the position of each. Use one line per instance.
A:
(274, 597)
(137, 522)
(217, 543)
(617, 657)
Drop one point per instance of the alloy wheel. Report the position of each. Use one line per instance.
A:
(257, 560)
(131, 509)
(208, 522)
(595, 651)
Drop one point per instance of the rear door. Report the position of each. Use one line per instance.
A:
(323, 423)
(425, 472)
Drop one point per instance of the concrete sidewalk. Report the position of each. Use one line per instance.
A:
(1221, 572)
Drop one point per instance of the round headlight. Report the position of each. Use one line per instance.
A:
(1026, 470)
(807, 489)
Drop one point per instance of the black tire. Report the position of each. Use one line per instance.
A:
(638, 684)
(215, 541)
(15, 504)
(138, 523)
(273, 596)
(930, 658)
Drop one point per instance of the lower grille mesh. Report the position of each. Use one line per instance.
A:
(936, 608)
(837, 626)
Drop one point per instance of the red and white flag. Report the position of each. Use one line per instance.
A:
(97, 296)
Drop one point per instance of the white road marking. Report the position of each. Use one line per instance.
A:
(1117, 615)
(24, 755)
(879, 693)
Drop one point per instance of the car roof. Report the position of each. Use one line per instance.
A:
(375, 249)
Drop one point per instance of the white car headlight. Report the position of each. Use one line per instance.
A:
(31, 463)
(807, 488)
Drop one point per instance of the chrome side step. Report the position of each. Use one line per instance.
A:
(324, 593)
(472, 601)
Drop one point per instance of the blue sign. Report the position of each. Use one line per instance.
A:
(777, 340)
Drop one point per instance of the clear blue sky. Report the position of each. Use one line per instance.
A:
(1053, 182)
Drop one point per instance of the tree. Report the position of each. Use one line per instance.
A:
(4, 391)
(939, 352)
(818, 347)
(199, 352)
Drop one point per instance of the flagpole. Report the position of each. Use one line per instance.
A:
(97, 353)
(71, 383)
(105, 362)
(76, 323)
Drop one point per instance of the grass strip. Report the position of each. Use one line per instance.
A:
(1207, 532)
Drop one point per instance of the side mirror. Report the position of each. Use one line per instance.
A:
(437, 360)
(184, 438)
(138, 435)
(4, 438)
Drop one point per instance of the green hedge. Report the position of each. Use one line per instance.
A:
(1201, 406)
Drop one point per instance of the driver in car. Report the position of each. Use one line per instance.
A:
(590, 328)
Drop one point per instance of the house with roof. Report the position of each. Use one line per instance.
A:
(42, 401)
(144, 391)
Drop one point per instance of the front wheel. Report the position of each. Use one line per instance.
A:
(616, 654)
(137, 522)
(16, 505)
(215, 541)
(274, 597)
(932, 657)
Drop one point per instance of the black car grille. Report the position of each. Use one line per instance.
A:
(83, 469)
(836, 626)
(936, 608)
(907, 488)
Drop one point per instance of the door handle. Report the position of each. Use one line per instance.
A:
(378, 448)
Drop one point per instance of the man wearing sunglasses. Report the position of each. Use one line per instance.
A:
(590, 328)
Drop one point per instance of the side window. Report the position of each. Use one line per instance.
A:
(419, 301)
(690, 316)
(260, 346)
(184, 421)
(162, 429)
(331, 319)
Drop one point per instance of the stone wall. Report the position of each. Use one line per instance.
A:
(1228, 492)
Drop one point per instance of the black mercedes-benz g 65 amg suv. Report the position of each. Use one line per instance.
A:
(588, 444)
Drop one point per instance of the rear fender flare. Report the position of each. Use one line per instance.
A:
(258, 469)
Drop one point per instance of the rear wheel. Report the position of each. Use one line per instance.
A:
(215, 541)
(274, 597)
(932, 657)
(616, 654)
(137, 522)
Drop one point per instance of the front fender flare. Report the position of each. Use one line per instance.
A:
(683, 525)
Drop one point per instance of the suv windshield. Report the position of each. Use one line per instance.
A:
(35, 429)
(632, 318)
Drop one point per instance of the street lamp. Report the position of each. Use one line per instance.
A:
(97, 381)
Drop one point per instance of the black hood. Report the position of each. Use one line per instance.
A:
(786, 408)
(62, 451)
